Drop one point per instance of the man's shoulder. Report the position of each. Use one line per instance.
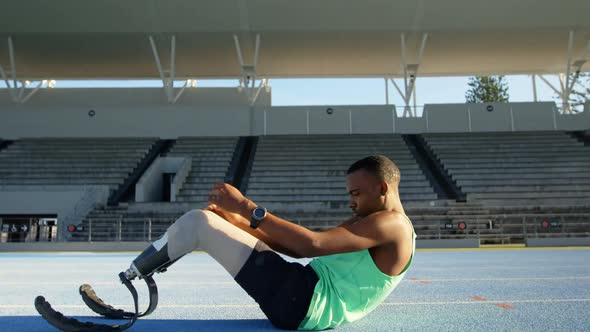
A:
(389, 216)
(393, 222)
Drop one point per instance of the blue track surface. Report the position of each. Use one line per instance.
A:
(479, 290)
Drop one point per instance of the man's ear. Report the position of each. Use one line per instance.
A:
(384, 188)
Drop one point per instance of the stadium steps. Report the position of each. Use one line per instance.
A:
(525, 168)
(4, 144)
(211, 161)
(301, 176)
(71, 161)
(126, 190)
(439, 178)
(582, 136)
(286, 178)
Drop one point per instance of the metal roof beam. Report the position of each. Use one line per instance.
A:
(566, 83)
(249, 75)
(168, 81)
(410, 70)
(18, 93)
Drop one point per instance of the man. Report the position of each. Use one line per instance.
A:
(358, 263)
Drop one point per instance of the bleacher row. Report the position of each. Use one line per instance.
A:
(513, 181)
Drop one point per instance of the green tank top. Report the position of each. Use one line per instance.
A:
(350, 286)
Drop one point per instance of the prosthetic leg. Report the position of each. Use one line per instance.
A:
(154, 259)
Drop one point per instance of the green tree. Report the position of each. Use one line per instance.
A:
(486, 89)
(580, 93)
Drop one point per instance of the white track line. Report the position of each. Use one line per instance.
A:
(501, 279)
(487, 301)
(231, 282)
(117, 283)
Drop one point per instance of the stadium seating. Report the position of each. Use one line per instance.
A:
(303, 177)
(211, 158)
(75, 161)
(522, 168)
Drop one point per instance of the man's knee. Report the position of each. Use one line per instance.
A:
(196, 215)
(184, 233)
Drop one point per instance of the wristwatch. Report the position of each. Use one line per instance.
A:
(257, 215)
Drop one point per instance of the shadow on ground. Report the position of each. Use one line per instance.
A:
(37, 323)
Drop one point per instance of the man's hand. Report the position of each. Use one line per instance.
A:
(230, 199)
(233, 218)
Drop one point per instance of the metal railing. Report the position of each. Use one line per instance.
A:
(121, 230)
(507, 228)
(501, 228)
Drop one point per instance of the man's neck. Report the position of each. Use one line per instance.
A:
(395, 205)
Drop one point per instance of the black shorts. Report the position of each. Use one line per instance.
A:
(282, 289)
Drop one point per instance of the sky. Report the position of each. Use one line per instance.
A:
(363, 91)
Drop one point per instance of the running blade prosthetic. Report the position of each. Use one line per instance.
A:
(97, 305)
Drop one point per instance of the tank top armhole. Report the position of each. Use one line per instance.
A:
(413, 246)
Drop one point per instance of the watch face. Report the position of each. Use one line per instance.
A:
(259, 213)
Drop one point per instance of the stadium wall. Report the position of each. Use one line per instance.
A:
(128, 113)
(144, 112)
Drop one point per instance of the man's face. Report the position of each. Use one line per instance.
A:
(365, 192)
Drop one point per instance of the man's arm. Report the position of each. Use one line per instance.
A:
(374, 230)
(244, 224)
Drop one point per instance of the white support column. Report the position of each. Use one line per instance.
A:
(17, 92)
(21, 90)
(533, 77)
(168, 81)
(566, 83)
(414, 93)
(410, 72)
(397, 88)
(12, 64)
(256, 47)
(160, 70)
(28, 96)
(239, 50)
(249, 74)
(5, 79)
(549, 84)
(262, 85)
(386, 92)
(186, 84)
(405, 67)
(11, 89)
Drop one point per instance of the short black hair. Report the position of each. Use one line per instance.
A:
(380, 166)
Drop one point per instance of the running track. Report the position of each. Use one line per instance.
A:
(445, 290)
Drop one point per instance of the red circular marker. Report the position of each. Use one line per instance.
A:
(71, 228)
(462, 225)
(545, 224)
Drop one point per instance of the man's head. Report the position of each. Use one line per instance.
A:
(371, 183)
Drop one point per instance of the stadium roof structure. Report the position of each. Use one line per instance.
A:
(71, 39)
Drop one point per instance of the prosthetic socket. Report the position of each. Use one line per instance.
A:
(154, 259)
(180, 239)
